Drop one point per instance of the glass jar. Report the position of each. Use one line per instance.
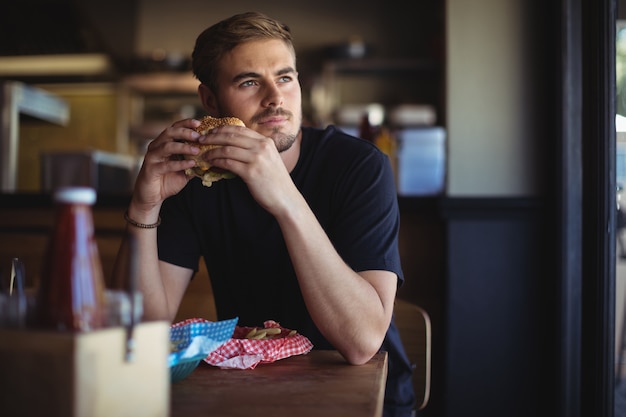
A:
(71, 295)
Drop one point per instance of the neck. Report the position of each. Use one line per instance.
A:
(290, 156)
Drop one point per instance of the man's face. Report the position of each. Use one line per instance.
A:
(258, 83)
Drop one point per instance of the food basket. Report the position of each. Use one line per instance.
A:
(192, 340)
(245, 350)
(183, 369)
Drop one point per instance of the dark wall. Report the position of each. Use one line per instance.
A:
(478, 267)
(498, 328)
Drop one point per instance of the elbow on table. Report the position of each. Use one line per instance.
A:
(358, 359)
(359, 347)
(356, 356)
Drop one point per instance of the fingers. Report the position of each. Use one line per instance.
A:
(188, 123)
(231, 135)
(162, 172)
(235, 145)
(251, 152)
(178, 132)
(240, 148)
(173, 141)
(165, 154)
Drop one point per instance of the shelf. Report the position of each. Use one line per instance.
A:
(23, 99)
(389, 82)
(378, 66)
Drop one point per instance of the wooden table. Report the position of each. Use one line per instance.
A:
(320, 383)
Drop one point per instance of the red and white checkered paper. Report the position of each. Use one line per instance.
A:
(242, 353)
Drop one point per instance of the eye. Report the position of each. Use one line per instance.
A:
(248, 83)
(285, 79)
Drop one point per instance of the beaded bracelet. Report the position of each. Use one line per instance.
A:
(141, 225)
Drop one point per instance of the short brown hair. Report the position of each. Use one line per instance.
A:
(214, 42)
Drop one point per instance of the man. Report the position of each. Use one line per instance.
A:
(306, 234)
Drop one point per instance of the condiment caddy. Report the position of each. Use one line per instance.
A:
(75, 348)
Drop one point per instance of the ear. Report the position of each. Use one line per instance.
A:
(208, 100)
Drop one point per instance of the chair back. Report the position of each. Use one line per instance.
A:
(413, 323)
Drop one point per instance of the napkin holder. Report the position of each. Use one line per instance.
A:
(85, 374)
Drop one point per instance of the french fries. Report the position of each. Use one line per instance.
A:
(265, 333)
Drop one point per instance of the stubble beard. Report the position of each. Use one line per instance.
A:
(282, 140)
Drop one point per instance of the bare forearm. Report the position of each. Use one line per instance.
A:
(158, 304)
(353, 311)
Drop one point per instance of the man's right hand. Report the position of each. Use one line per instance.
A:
(162, 173)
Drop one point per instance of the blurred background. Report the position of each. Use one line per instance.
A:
(484, 102)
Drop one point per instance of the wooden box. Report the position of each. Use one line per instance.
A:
(85, 374)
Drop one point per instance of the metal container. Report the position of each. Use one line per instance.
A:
(106, 172)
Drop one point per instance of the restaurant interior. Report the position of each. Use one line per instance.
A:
(503, 240)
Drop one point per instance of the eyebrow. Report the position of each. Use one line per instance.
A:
(252, 74)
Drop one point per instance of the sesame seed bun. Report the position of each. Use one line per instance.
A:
(203, 169)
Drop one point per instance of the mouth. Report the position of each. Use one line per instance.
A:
(272, 117)
(273, 121)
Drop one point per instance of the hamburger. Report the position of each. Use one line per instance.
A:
(204, 170)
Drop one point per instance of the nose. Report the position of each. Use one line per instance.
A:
(272, 96)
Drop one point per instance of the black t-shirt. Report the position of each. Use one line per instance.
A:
(349, 185)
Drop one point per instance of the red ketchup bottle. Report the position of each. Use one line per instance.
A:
(71, 294)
